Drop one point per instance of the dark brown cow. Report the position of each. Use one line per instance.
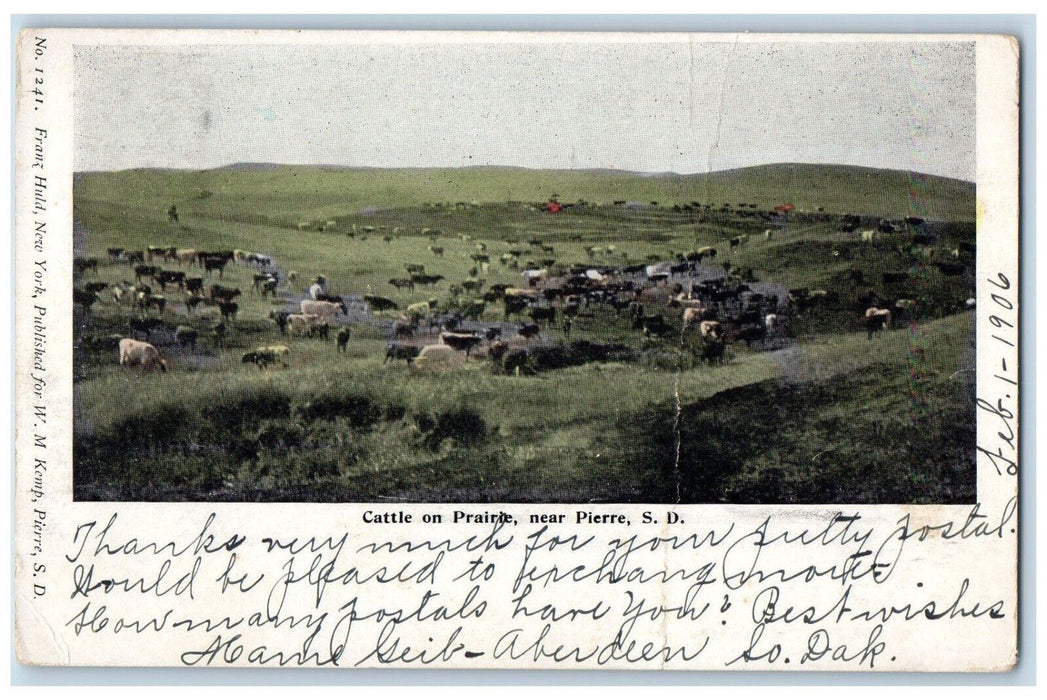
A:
(461, 341)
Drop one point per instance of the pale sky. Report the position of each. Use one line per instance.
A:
(671, 106)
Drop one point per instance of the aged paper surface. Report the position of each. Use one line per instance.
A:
(492, 350)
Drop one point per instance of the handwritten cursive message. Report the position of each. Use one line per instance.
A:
(833, 591)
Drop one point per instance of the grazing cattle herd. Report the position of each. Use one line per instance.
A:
(696, 300)
(288, 339)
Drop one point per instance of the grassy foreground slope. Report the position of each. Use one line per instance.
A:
(835, 419)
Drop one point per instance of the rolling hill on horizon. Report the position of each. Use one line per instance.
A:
(319, 191)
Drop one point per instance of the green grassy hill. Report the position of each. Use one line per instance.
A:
(289, 193)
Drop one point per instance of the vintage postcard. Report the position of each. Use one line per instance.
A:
(517, 350)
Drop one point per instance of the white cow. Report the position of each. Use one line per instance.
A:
(689, 303)
(659, 269)
(317, 290)
(186, 255)
(135, 353)
(302, 324)
(437, 355)
(321, 309)
(691, 316)
(710, 329)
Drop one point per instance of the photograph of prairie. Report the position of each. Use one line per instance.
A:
(532, 268)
